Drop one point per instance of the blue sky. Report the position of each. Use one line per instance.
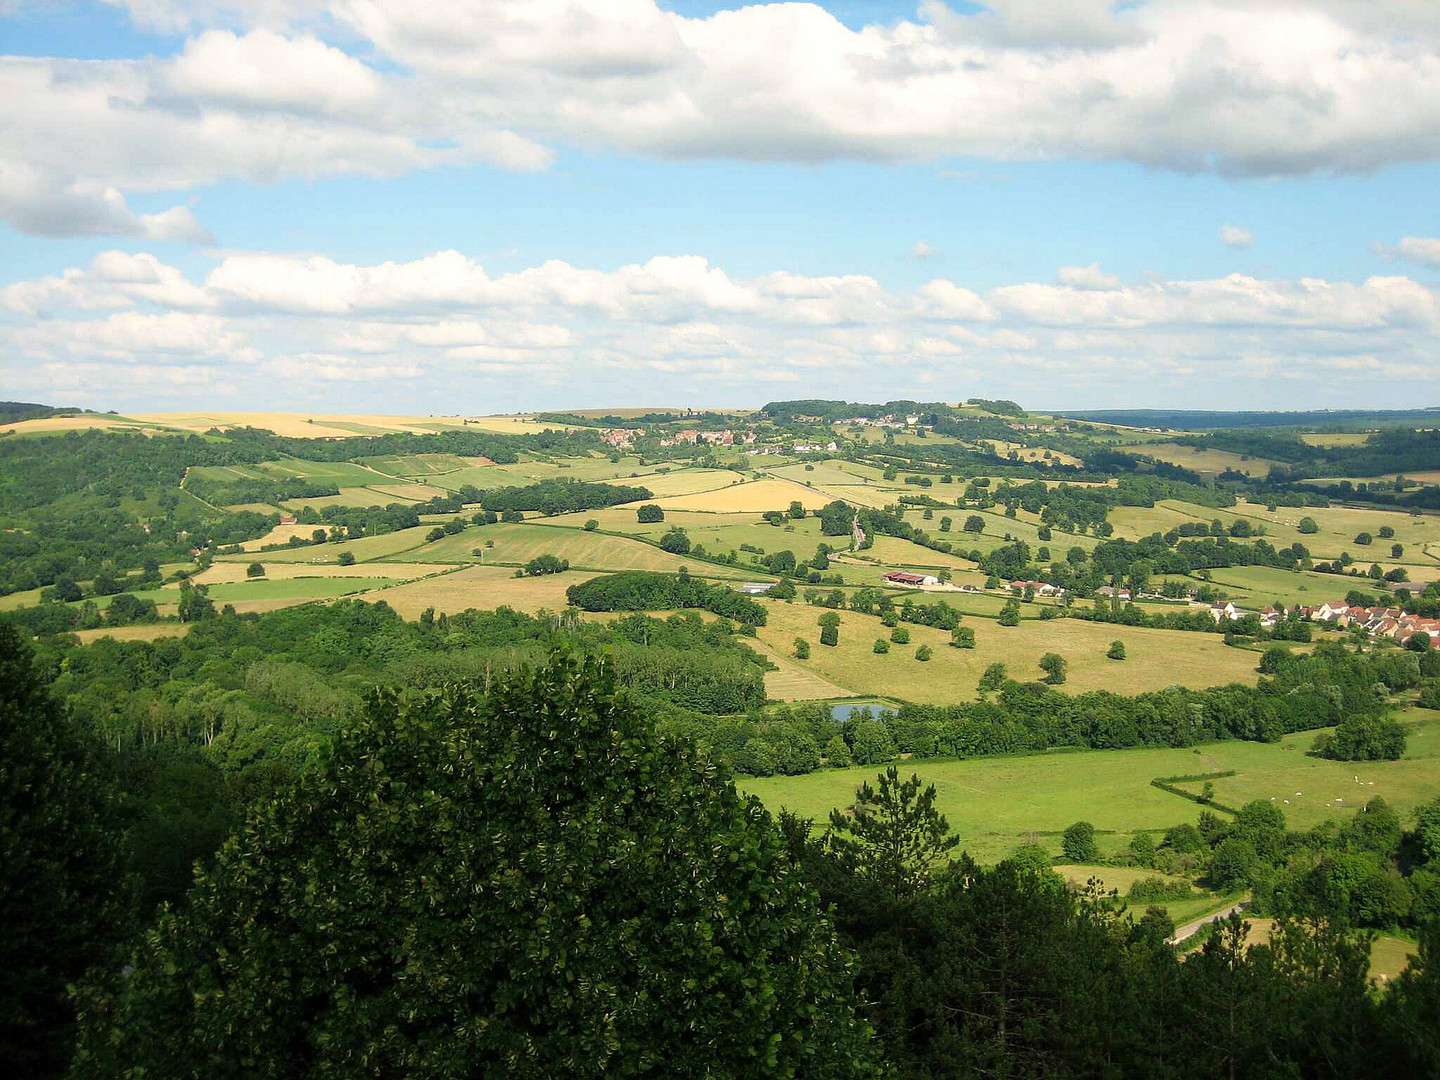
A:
(560, 164)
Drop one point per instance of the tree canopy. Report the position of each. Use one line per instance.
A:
(530, 882)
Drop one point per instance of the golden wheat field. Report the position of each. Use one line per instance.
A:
(756, 496)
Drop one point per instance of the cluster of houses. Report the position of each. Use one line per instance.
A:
(710, 438)
(886, 422)
(1383, 622)
(815, 448)
(621, 438)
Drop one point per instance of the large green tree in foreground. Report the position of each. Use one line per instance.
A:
(59, 865)
(528, 883)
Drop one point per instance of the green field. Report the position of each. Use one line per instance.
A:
(995, 804)
(364, 549)
(516, 544)
(1157, 658)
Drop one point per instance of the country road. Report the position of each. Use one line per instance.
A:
(1190, 929)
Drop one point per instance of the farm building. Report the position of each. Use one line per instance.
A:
(1040, 588)
(755, 588)
(288, 519)
(1109, 592)
(900, 577)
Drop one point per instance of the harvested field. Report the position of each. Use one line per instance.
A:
(755, 496)
(485, 588)
(138, 632)
(280, 534)
(793, 682)
(368, 547)
(230, 572)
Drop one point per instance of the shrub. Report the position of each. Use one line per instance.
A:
(1078, 843)
(1363, 738)
(675, 541)
(993, 677)
(1153, 890)
(1307, 525)
(512, 515)
(881, 645)
(1117, 650)
(346, 558)
(1231, 864)
(900, 636)
(924, 653)
(1054, 665)
(1010, 614)
(1364, 539)
(591, 525)
(802, 649)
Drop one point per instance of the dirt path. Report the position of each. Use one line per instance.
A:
(1190, 929)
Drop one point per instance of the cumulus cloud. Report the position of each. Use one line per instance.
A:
(272, 89)
(1087, 277)
(443, 322)
(1420, 249)
(922, 250)
(1235, 236)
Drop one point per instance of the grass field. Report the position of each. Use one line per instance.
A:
(1389, 956)
(283, 589)
(482, 587)
(1255, 587)
(1120, 878)
(1335, 438)
(59, 425)
(139, 632)
(516, 544)
(1311, 789)
(1157, 658)
(995, 804)
(793, 682)
(345, 425)
(230, 572)
(1205, 460)
(364, 549)
(280, 534)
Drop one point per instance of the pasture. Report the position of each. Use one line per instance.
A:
(516, 544)
(1157, 658)
(1205, 460)
(996, 804)
(364, 549)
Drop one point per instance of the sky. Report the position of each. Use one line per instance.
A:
(507, 205)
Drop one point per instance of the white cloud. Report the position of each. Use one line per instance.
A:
(1235, 236)
(1087, 277)
(1421, 249)
(922, 250)
(443, 324)
(273, 89)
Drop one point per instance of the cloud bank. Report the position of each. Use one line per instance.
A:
(272, 89)
(263, 328)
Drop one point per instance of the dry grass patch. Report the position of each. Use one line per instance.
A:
(230, 572)
(140, 632)
(1157, 658)
(485, 588)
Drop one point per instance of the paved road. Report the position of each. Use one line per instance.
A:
(1192, 928)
